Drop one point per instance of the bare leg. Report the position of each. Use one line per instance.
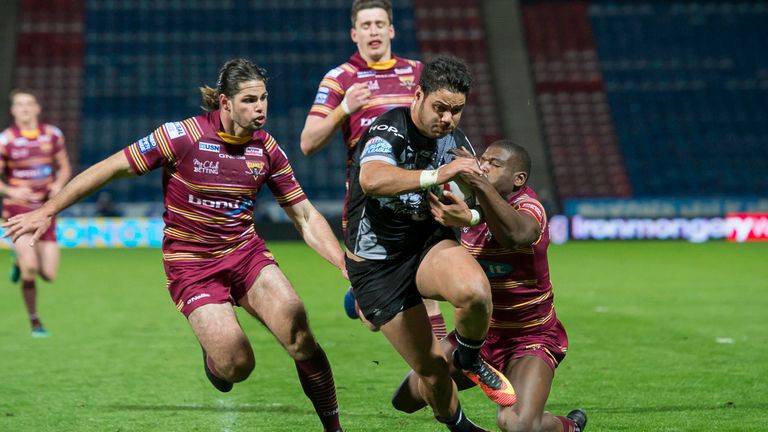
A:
(533, 379)
(220, 335)
(48, 256)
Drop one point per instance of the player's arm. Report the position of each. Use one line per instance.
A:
(37, 221)
(511, 227)
(316, 232)
(382, 178)
(318, 131)
(63, 172)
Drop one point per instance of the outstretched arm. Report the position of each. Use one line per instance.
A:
(37, 221)
(317, 233)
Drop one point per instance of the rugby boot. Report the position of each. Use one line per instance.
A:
(493, 383)
(39, 331)
(579, 417)
(220, 384)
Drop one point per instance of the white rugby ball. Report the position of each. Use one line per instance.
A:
(458, 188)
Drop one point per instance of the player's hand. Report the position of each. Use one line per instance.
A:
(458, 166)
(19, 193)
(35, 222)
(451, 212)
(357, 96)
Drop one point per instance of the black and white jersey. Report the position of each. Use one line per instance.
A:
(388, 228)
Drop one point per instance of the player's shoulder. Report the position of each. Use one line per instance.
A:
(49, 129)
(527, 199)
(342, 71)
(393, 121)
(6, 137)
(190, 128)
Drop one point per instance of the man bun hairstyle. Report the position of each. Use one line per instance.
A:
(231, 75)
(446, 72)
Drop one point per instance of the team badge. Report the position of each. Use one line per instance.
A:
(407, 81)
(255, 167)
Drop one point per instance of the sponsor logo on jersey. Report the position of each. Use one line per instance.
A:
(373, 85)
(255, 167)
(377, 145)
(254, 151)
(213, 148)
(335, 72)
(20, 141)
(321, 98)
(206, 167)
(388, 128)
(229, 156)
(147, 143)
(19, 153)
(36, 173)
(365, 74)
(495, 269)
(216, 204)
(407, 81)
(174, 130)
(197, 297)
(367, 121)
(405, 70)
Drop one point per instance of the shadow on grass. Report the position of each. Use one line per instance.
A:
(726, 406)
(242, 408)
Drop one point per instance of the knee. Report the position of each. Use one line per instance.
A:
(511, 421)
(475, 294)
(48, 276)
(236, 366)
(29, 271)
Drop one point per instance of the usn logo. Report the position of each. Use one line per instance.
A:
(213, 148)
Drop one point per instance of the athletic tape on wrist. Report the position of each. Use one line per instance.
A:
(345, 107)
(475, 217)
(428, 178)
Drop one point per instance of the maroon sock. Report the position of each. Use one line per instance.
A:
(317, 381)
(438, 325)
(568, 424)
(29, 292)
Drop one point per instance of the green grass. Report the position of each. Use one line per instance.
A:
(644, 319)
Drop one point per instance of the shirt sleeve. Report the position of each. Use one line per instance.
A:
(330, 93)
(150, 152)
(385, 143)
(58, 142)
(281, 181)
(532, 207)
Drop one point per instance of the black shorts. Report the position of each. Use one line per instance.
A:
(384, 288)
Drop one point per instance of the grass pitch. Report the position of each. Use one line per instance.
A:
(664, 336)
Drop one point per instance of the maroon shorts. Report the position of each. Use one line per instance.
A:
(501, 347)
(193, 283)
(11, 210)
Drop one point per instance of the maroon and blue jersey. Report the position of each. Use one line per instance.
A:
(210, 183)
(522, 291)
(392, 85)
(29, 160)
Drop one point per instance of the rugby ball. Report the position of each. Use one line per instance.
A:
(458, 188)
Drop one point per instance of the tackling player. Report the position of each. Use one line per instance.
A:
(525, 338)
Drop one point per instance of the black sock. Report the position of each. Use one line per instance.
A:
(468, 351)
(458, 422)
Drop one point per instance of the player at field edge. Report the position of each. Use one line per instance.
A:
(35, 166)
(352, 95)
(526, 340)
(214, 165)
(398, 254)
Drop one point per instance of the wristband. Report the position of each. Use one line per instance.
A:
(345, 107)
(475, 217)
(428, 178)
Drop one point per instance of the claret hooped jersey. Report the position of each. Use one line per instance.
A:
(210, 183)
(386, 228)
